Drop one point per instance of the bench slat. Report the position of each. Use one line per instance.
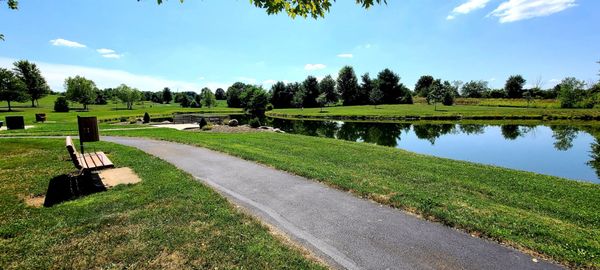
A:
(89, 161)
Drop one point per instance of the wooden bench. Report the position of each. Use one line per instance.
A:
(89, 161)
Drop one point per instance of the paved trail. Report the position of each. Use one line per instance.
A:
(346, 231)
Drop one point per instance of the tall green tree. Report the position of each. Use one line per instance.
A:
(436, 93)
(347, 85)
(32, 77)
(233, 95)
(422, 87)
(376, 96)
(167, 95)
(388, 83)
(11, 88)
(81, 90)
(366, 87)
(208, 98)
(327, 88)
(281, 97)
(474, 89)
(220, 94)
(571, 92)
(128, 95)
(514, 86)
(310, 87)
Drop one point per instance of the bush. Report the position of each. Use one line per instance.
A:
(61, 105)
(269, 107)
(146, 118)
(202, 122)
(254, 122)
(207, 127)
(448, 99)
(123, 119)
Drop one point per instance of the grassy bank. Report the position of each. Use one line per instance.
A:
(552, 216)
(427, 112)
(168, 221)
(111, 112)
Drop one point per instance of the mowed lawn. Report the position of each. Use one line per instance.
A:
(104, 112)
(168, 221)
(551, 216)
(428, 111)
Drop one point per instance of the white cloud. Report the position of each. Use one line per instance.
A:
(345, 55)
(467, 7)
(314, 66)
(105, 51)
(112, 55)
(269, 82)
(66, 43)
(55, 75)
(516, 10)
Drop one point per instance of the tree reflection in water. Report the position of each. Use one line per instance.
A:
(388, 134)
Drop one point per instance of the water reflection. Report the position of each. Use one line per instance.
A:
(536, 142)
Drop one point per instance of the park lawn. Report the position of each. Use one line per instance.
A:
(168, 221)
(551, 216)
(109, 112)
(424, 111)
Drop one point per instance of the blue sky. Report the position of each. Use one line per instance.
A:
(217, 42)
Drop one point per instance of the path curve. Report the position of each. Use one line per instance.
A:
(346, 231)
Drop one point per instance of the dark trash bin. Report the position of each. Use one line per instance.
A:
(40, 117)
(15, 122)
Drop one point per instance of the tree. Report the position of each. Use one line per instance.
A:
(280, 96)
(185, 101)
(570, 92)
(233, 95)
(32, 77)
(364, 91)
(376, 96)
(220, 94)
(255, 100)
(298, 99)
(436, 93)
(310, 87)
(422, 87)
(474, 89)
(327, 87)
(388, 83)
(322, 100)
(128, 95)
(347, 85)
(208, 98)
(167, 96)
(449, 91)
(81, 90)
(514, 86)
(61, 105)
(157, 97)
(11, 88)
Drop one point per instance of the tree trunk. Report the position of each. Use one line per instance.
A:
(32, 103)
(9, 108)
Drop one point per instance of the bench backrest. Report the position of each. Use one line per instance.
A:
(73, 153)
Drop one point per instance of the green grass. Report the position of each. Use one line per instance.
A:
(103, 112)
(502, 102)
(427, 112)
(168, 221)
(552, 216)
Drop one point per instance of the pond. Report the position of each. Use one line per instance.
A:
(569, 151)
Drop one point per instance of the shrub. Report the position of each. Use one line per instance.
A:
(269, 107)
(123, 119)
(61, 105)
(207, 127)
(146, 118)
(202, 122)
(254, 122)
(448, 99)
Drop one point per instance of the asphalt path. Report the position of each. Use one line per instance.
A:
(345, 231)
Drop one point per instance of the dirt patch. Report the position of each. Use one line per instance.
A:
(118, 176)
(35, 201)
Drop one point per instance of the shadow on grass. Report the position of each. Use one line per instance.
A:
(67, 187)
(11, 111)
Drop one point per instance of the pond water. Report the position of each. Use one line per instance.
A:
(560, 150)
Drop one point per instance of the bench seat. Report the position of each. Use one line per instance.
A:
(89, 161)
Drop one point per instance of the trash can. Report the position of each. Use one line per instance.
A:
(15, 122)
(40, 117)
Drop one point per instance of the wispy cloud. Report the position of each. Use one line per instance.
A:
(314, 66)
(55, 75)
(467, 7)
(345, 55)
(112, 55)
(516, 10)
(105, 51)
(66, 43)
